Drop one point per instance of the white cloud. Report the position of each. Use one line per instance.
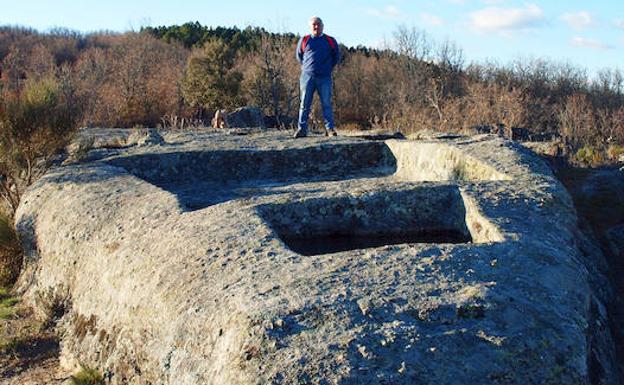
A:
(504, 20)
(589, 43)
(430, 19)
(578, 20)
(619, 23)
(389, 11)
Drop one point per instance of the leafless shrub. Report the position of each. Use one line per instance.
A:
(271, 77)
(179, 122)
(366, 87)
(136, 80)
(577, 121)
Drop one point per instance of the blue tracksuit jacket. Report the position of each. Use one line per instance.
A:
(318, 57)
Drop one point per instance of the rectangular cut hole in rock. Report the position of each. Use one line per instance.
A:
(423, 214)
(333, 243)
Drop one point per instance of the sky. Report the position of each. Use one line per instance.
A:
(587, 34)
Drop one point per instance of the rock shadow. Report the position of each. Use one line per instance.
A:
(203, 178)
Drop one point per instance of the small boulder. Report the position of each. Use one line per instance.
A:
(246, 117)
(220, 119)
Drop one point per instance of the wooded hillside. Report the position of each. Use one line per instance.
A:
(169, 74)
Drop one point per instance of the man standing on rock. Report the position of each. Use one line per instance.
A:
(318, 54)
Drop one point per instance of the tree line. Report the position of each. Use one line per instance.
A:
(175, 75)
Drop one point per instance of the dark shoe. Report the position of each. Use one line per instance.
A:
(300, 133)
(331, 132)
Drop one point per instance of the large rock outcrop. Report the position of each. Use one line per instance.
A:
(214, 259)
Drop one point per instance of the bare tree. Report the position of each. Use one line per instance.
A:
(449, 56)
(413, 43)
(576, 117)
(272, 77)
(91, 72)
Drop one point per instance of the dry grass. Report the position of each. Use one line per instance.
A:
(10, 252)
(87, 376)
(28, 351)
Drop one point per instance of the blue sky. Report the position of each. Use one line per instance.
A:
(589, 34)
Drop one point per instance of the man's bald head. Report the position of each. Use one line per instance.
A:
(316, 26)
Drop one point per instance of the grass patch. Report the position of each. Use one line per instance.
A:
(8, 310)
(589, 155)
(7, 304)
(12, 345)
(87, 376)
(615, 152)
(24, 342)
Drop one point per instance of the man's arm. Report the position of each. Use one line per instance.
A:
(298, 52)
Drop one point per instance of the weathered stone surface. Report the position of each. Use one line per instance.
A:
(172, 264)
(615, 236)
(93, 138)
(144, 137)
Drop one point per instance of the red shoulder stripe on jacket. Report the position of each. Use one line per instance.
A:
(330, 40)
(304, 42)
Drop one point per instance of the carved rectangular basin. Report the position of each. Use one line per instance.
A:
(421, 214)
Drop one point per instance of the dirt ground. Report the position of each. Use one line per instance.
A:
(28, 352)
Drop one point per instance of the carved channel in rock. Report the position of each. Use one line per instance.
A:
(318, 163)
(204, 178)
(422, 214)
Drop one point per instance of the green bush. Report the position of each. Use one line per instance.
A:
(7, 304)
(35, 124)
(10, 252)
(87, 376)
(210, 81)
(589, 155)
